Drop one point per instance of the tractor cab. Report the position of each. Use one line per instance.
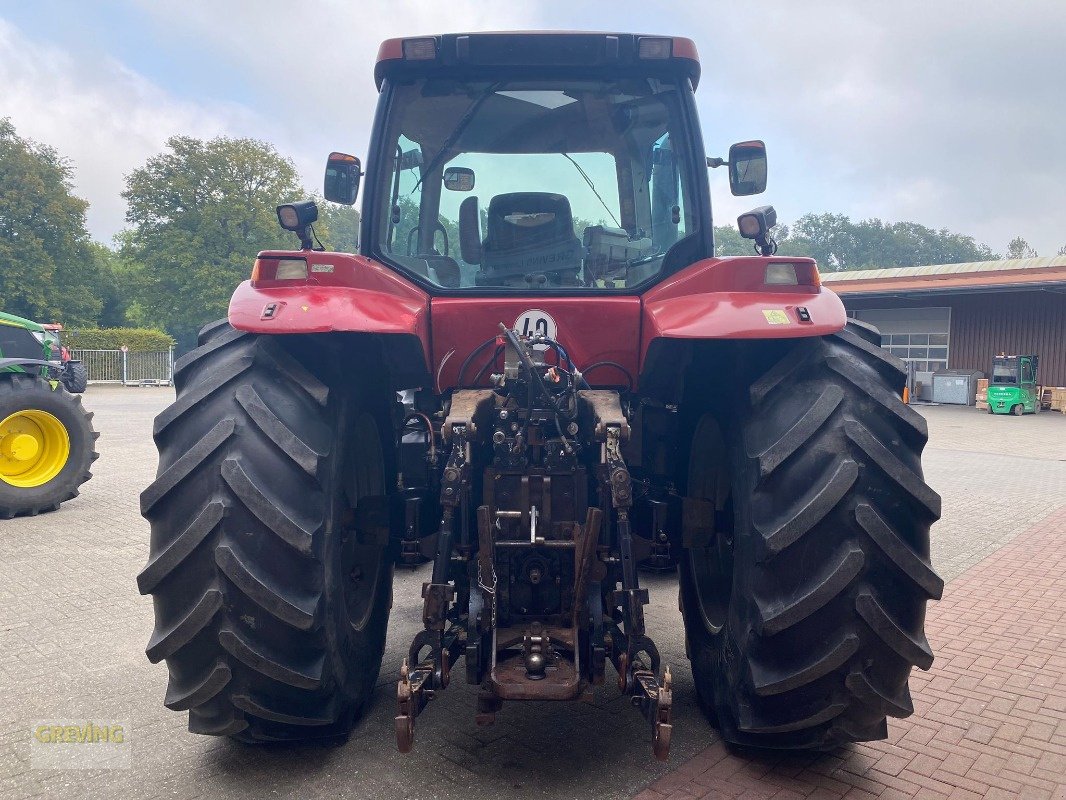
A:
(575, 165)
(1012, 388)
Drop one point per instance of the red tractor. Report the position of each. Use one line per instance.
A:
(536, 374)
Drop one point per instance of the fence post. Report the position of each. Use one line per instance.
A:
(125, 351)
(170, 374)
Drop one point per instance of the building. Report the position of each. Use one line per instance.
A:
(958, 316)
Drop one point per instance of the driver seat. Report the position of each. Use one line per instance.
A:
(529, 233)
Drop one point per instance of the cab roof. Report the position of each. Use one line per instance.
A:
(528, 50)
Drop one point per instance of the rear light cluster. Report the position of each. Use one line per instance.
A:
(279, 269)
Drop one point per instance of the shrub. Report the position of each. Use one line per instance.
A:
(136, 339)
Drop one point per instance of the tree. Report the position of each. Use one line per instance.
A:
(729, 242)
(200, 212)
(338, 227)
(1019, 248)
(840, 244)
(47, 268)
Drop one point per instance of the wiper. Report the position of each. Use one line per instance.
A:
(592, 186)
(460, 126)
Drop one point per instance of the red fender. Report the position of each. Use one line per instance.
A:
(728, 298)
(338, 292)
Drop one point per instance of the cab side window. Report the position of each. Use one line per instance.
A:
(1027, 371)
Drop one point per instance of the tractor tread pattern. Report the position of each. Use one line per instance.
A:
(169, 558)
(258, 659)
(166, 641)
(810, 510)
(305, 456)
(298, 613)
(266, 511)
(818, 656)
(784, 614)
(796, 436)
(769, 682)
(181, 469)
(183, 696)
(239, 513)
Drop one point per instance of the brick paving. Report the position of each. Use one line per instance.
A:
(989, 717)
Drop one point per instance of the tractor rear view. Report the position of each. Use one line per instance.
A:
(536, 375)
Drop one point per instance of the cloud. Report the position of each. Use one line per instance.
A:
(949, 114)
(95, 111)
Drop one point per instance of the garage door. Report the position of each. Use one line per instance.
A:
(917, 335)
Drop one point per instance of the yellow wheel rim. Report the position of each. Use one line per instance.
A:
(34, 448)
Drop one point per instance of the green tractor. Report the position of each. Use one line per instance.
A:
(1012, 388)
(47, 441)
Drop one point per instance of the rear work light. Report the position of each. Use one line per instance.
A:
(419, 49)
(655, 47)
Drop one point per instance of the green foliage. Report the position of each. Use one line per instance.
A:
(1019, 248)
(200, 212)
(136, 339)
(729, 242)
(338, 227)
(840, 244)
(47, 267)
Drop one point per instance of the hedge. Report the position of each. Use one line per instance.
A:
(136, 339)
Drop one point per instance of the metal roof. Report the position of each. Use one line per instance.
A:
(933, 270)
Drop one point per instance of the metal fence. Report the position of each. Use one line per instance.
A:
(128, 368)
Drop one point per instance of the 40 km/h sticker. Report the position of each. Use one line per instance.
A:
(536, 322)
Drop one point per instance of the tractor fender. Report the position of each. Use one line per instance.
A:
(5, 363)
(340, 293)
(728, 298)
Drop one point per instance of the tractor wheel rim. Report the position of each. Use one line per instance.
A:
(34, 448)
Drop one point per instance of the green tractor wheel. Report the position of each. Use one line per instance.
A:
(47, 445)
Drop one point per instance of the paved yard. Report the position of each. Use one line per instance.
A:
(73, 631)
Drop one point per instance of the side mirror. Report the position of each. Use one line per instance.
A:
(470, 231)
(342, 178)
(747, 168)
(459, 179)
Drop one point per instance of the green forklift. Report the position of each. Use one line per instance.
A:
(1012, 387)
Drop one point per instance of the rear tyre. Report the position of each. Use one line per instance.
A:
(271, 608)
(1017, 410)
(75, 377)
(47, 445)
(805, 617)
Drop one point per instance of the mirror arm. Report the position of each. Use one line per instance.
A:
(715, 163)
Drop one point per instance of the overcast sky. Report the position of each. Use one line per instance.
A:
(951, 114)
